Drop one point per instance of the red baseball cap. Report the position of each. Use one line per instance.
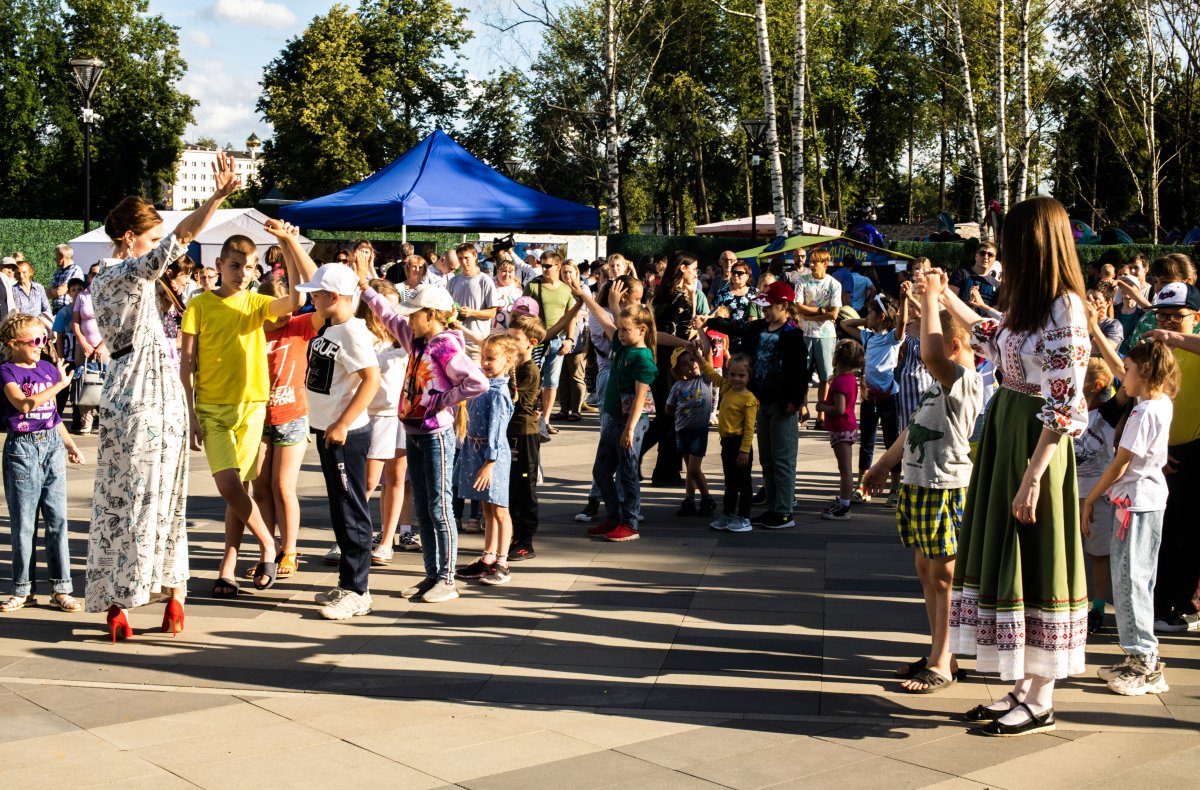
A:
(779, 291)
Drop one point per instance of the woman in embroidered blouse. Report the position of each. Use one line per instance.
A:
(137, 544)
(1019, 600)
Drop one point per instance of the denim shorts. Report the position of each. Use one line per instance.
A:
(552, 364)
(820, 356)
(692, 441)
(287, 434)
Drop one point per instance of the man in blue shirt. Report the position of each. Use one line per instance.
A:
(66, 271)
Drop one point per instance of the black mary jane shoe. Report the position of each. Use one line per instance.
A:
(981, 713)
(1042, 722)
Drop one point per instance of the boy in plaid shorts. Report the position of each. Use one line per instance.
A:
(935, 472)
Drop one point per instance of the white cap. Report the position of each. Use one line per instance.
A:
(337, 278)
(428, 296)
(8, 260)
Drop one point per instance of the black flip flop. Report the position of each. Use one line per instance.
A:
(932, 680)
(225, 584)
(268, 569)
(911, 670)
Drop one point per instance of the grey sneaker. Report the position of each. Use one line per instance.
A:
(722, 522)
(836, 512)
(497, 574)
(409, 541)
(1139, 679)
(440, 592)
(739, 525)
(418, 589)
(333, 556)
(349, 604)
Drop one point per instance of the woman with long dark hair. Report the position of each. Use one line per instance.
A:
(1019, 601)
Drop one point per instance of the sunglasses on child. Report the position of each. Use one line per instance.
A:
(36, 342)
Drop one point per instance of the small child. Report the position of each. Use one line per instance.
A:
(1134, 482)
(838, 409)
(935, 452)
(524, 442)
(440, 378)
(691, 399)
(483, 472)
(1093, 454)
(735, 425)
(35, 476)
(343, 376)
(882, 337)
(387, 460)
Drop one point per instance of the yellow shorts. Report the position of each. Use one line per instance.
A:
(231, 435)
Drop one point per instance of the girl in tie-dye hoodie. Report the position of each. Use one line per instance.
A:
(441, 377)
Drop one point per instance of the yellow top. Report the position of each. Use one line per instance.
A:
(1185, 424)
(231, 349)
(738, 411)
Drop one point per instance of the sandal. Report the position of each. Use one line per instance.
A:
(982, 713)
(225, 587)
(551, 429)
(268, 569)
(933, 681)
(910, 670)
(14, 603)
(287, 566)
(1037, 722)
(65, 602)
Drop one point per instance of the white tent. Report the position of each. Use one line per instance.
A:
(766, 228)
(91, 247)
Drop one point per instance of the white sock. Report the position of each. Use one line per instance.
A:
(1019, 690)
(1039, 699)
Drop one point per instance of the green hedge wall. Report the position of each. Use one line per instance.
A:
(37, 238)
(948, 255)
(633, 245)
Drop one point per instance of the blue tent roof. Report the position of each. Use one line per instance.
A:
(439, 185)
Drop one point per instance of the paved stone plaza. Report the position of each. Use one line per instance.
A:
(688, 659)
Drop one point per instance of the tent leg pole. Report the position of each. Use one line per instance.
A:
(597, 244)
(403, 234)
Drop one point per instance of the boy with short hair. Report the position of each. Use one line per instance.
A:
(523, 438)
(474, 297)
(935, 473)
(223, 366)
(343, 376)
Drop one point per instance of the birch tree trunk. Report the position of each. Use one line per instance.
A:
(1153, 154)
(611, 131)
(1023, 22)
(1001, 110)
(975, 151)
(768, 85)
(800, 77)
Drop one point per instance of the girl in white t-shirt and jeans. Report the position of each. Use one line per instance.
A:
(1135, 484)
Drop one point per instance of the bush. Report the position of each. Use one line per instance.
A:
(949, 255)
(37, 238)
(709, 248)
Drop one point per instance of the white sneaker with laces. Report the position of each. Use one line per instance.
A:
(441, 592)
(381, 555)
(348, 604)
(1139, 680)
(739, 525)
(409, 541)
(721, 522)
(333, 556)
(1114, 671)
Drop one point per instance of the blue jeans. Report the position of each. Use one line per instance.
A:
(1133, 560)
(431, 470)
(778, 434)
(601, 384)
(622, 497)
(35, 476)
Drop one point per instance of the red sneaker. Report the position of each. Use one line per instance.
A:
(603, 528)
(622, 533)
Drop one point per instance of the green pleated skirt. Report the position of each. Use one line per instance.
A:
(1019, 602)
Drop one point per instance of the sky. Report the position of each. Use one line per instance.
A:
(227, 43)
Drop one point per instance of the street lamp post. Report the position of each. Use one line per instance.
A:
(87, 73)
(755, 129)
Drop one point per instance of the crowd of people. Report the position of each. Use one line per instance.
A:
(1037, 462)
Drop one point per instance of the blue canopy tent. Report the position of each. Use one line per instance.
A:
(438, 184)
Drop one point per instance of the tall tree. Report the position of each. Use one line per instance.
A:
(491, 133)
(799, 82)
(1001, 107)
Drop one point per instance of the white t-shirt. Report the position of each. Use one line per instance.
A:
(1146, 434)
(393, 366)
(823, 293)
(334, 357)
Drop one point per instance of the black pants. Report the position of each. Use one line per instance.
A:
(522, 487)
(1179, 555)
(345, 470)
(661, 430)
(737, 478)
(876, 414)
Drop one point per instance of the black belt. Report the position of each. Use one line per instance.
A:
(123, 352)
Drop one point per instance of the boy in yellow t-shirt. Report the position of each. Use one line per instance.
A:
(223, 364)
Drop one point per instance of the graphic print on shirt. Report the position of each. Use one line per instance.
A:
(918, 434)
(768, 363)
(322, 357)
(413, 404)
(283, 394)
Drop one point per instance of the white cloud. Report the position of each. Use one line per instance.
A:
(254, 13)
(226, 103)
(198, 39)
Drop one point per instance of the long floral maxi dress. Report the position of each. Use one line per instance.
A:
(1019, 600)
(138, 544)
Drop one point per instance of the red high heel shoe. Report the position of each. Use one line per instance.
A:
(173, 617)
(118, 622)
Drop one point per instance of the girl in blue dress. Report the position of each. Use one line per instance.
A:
(483, 471)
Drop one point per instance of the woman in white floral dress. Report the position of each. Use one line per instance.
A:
(137, 546)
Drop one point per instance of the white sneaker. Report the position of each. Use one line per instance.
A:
(419, 589)
(439, 593)
(333, 556)
(721, 522)
(349, 604)
(739, 525)
(1114, 671)
(1139, 680)
(329, 596)
(381, 555)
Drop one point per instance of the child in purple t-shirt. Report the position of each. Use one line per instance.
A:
(34, 472)
(838, 410)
